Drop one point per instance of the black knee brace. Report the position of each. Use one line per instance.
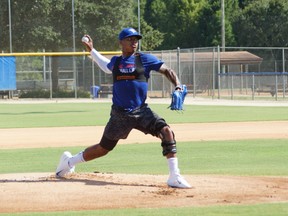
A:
(107, 143)
(169, 147)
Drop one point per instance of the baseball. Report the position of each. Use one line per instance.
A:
(85, 39)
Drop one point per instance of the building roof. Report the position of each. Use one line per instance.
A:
(226, 58)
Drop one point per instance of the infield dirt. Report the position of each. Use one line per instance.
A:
(42, 192)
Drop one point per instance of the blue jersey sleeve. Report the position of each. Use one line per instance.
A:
(151, 62)
(112, 62)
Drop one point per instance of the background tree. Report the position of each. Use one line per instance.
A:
(190, 23)
(103, 20)
(174, 18)
(208, 29)
(47, 24)
(263, 23)
(165, 24)
(152, 38)
(243, 3)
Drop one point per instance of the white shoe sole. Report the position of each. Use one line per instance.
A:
(178, 182)
(63, 167)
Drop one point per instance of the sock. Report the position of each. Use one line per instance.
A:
(78, 158)
(173, 166)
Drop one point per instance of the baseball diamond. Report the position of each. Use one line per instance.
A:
(39, 192)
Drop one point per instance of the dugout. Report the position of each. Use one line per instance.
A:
(234, 61)
(223, 63)
(199, 68)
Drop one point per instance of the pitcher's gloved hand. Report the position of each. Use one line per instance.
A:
(178, 97)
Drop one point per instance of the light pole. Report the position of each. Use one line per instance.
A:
(74, 49)
(10, 26)
(139, 29)
(223, 24)
(223, 30)
(73, 26)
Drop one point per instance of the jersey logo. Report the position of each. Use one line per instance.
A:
(123, 77)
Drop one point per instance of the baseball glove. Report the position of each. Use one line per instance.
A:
(178, 97)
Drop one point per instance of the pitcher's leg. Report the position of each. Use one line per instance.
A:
(67, 161)
(169, 150)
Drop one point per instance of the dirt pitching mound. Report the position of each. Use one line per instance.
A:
(43, 192)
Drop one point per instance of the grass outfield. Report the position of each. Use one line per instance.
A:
(249, 157)
(275, 209)
(91, 114)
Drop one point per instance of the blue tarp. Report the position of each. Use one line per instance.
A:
(7, 73)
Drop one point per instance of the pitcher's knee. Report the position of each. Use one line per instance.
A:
(169, 147)
(166, 134)
(168, 142)
(107, 144)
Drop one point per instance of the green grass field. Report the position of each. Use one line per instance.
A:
(241, 157)
(87, 114)
(275, 209)
(249, 157)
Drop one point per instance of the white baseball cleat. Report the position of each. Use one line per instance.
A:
(177, 181)
(63, 166)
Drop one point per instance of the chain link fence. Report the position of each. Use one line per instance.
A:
(237, 73)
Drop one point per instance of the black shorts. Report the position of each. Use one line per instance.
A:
(122, 122)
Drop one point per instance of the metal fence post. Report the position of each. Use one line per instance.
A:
(50, 77)
(219, 70)
(232, 87)
(253, 87)
(276, 87)
(163, 81)
(213, 74)
(283, 70)
(44, 67)
(178, 62)
(194, 73)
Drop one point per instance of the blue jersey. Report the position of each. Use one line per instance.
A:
(129, 92)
